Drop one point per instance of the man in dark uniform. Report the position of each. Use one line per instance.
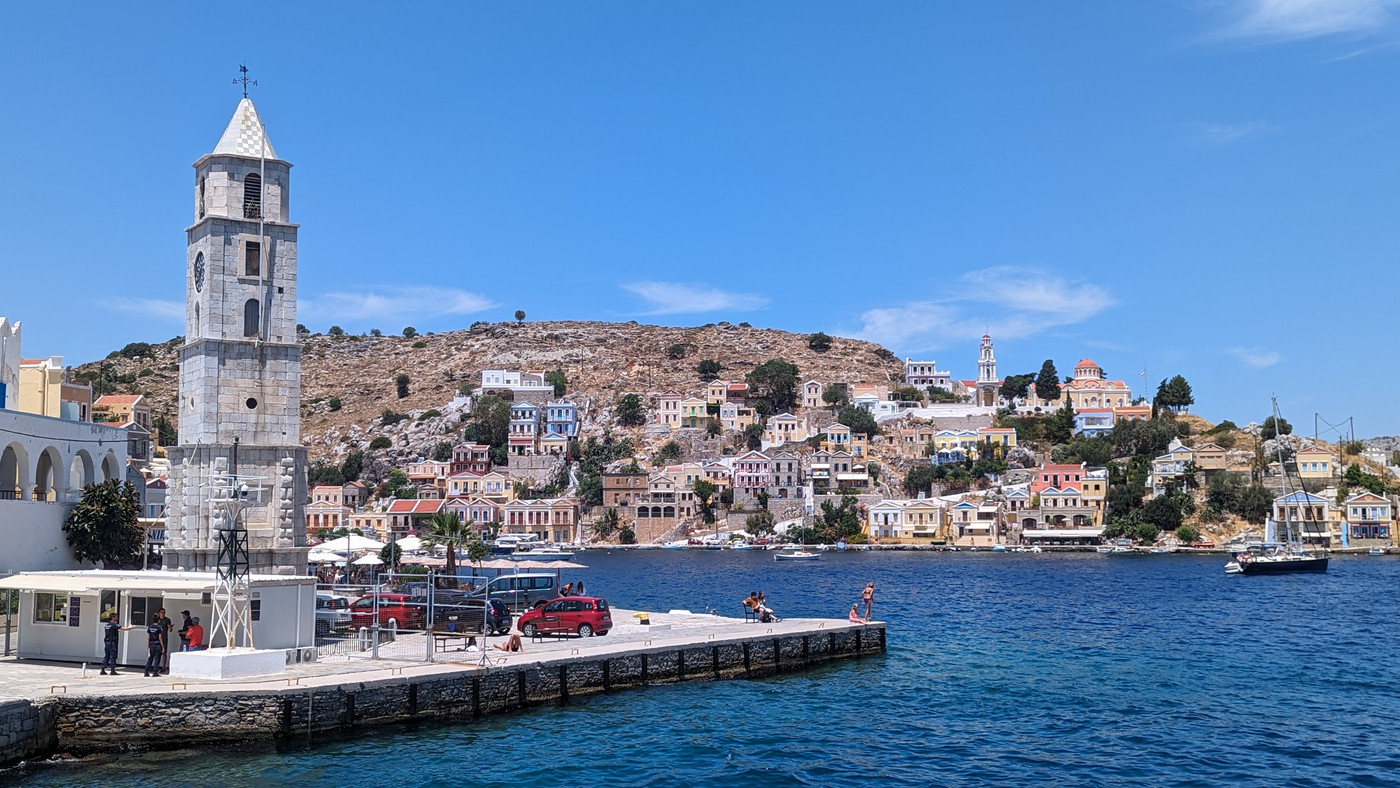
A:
(109, 644)
(155, 646)
(163, 665)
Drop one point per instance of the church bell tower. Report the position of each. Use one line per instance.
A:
(988, 386)
(240, 365)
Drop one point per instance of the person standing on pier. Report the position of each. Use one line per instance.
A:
(868, 597)
(109, 644)
(163, 663)
(155, 647)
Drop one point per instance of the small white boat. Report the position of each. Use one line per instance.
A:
(542, 554)
(797, 555)
(1103, 549)
(998, 548)
(1118, 548)
(1159, 550)
(673, 546)
(1036, 549)
(740, 546)
(1375, 551)
(646, 547)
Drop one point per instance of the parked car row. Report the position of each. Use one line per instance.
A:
(471, 610)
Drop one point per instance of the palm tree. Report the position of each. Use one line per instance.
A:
(444, 528)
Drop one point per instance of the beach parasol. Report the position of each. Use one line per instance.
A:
(368, 560)
(350, 542)
(410, 544)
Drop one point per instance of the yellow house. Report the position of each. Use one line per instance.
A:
(1209, 457)
(717, 393)
(44, 389)
(785, 428)
(988, 438)
(1315, 463)
(694, 412)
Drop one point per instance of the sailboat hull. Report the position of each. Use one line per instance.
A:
(1266, 566)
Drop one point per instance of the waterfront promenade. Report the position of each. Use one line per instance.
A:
(48, 706)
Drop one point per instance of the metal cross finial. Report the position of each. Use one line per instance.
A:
(244, 79)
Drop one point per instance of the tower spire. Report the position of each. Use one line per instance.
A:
(243, 68)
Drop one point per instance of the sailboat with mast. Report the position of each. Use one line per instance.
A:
(1287, 555)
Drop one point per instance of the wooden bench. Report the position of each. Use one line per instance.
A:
(442, 640)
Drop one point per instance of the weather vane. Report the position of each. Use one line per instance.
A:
(244, 79)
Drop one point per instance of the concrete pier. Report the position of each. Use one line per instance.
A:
(49, 707)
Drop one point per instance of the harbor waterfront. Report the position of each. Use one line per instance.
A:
(1014, 669)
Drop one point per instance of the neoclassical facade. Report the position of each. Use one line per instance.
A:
(1090, 390)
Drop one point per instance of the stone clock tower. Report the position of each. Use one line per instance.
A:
(240, 366)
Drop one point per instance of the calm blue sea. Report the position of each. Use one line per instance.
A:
(1003, 669)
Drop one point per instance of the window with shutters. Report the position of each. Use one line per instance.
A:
(252, 258)
(250, 318)
(252, 196)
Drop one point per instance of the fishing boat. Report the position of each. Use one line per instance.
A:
(1376, 551)
(740, 546)
(1285, 556)
(998, 548)
(1103, 549)
(674, 546)
(802, 554)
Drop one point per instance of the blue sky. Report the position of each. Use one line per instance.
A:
(1192, 186)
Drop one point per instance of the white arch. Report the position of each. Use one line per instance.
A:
(111, 468)
(81, 470)
(50, 475)
(14, 472)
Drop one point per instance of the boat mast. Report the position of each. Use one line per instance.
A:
(1283, 476)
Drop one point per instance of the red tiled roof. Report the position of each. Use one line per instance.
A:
(416, 506)
(117, 399)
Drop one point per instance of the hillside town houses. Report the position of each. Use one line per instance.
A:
(803, 457)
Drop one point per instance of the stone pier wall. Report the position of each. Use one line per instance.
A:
(26, 729)
(81, 724)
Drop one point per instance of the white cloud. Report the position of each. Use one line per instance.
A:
(1256, 357)
(1007, 302)
(1226, 133)
(391, 303)
(1288, 20)
(679, 298)
(158, 308)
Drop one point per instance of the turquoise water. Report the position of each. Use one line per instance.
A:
(1003, 669)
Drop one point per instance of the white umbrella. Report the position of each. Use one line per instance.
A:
(350, 542)
(319, 556)
(368, 560)
(410, 544)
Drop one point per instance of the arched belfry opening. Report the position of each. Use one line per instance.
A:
(252, 196)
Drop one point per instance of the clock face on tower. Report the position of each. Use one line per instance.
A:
(199, 272)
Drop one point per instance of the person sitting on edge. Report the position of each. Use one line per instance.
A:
(512, 644)
(766, 614)
(854, 615)
(567, 590)
(195, 635)
(578, 588)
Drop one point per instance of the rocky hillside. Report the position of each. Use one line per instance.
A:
(602, 361)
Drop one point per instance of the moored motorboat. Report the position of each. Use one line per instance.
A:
(1376, 551)
(542, 554)
(797, 555)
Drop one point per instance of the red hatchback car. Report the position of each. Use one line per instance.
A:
(400, 610)
(574, 615)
